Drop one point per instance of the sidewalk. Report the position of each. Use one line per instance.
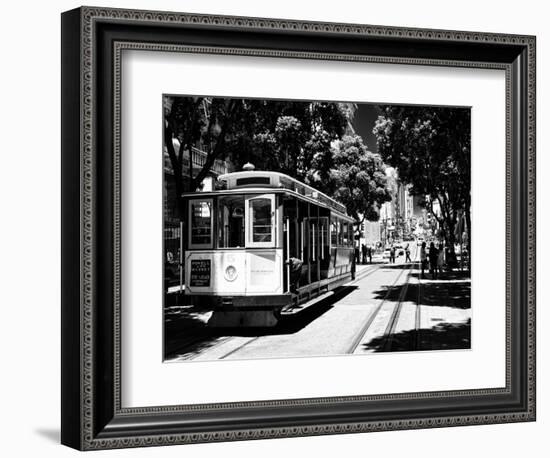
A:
(444, 310)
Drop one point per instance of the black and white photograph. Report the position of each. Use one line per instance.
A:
(303, 228)
(275, 229)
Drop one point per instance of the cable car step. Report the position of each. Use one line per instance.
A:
(240, 318)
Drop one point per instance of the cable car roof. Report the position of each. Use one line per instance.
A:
(266, 179)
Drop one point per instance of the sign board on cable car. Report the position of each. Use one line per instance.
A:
(200, 272)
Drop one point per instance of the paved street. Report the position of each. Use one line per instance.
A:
(387, 308)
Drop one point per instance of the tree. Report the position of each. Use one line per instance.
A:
(297, 141)
(359, 179)
(430, 148)
(273, 134)
(194, 120)
(305, 140)
(281, 147)
(318, 161)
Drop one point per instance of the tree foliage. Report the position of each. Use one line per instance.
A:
(359, 179)
(295, 138)
(286, 136)
(193, 121)
(305, 140)
(430, 148)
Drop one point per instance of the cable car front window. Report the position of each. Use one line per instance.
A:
(231, 222)
(261, 217)
(201, 222)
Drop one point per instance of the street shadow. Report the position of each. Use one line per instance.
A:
(374, 262)
(188, 335)
(436, 293)
(294, 323)
(444, 336)
(399, 266)
(445, 275)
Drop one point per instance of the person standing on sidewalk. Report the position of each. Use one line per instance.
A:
(364, 252)
(423, 259)
(407, 254)
(433, 256)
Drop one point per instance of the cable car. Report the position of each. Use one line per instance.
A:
(264, 244)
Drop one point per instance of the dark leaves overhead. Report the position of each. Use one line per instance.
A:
(305, 140)
(430, 148)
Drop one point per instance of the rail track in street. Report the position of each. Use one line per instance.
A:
(335, 296)
(390, 323)
(376, 313)
(384, 320)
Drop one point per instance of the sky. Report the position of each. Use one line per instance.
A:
(365, 116)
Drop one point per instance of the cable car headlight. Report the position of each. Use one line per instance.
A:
(230, 273)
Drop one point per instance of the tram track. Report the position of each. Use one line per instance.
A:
(240, 347)
(394, 316)
(394, 319)
(335, 297)
(338, 294)
(188, 345)
(417, 318)
(360, 335)
(364, 274)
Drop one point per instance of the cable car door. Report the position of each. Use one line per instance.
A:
(263, 264)
(260, 221)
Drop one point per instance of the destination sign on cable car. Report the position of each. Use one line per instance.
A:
(200, 272)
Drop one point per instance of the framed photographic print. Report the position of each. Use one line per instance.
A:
(277, 228)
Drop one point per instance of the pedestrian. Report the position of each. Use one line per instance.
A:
(423, 259)
(407, 254)
(440, 258)
(364, 252)
(295, 274)
(433, 255)
(369, 253)
(392, 254)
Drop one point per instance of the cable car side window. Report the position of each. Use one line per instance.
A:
(200, 218)
(334, 232)
(345, 234)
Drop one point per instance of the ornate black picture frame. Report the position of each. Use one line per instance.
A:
(92, 42)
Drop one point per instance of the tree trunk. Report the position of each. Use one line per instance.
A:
(449, 224)
(217, 150)
(469, 232)
(451, 255)
(192, 187)
(176, 169)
